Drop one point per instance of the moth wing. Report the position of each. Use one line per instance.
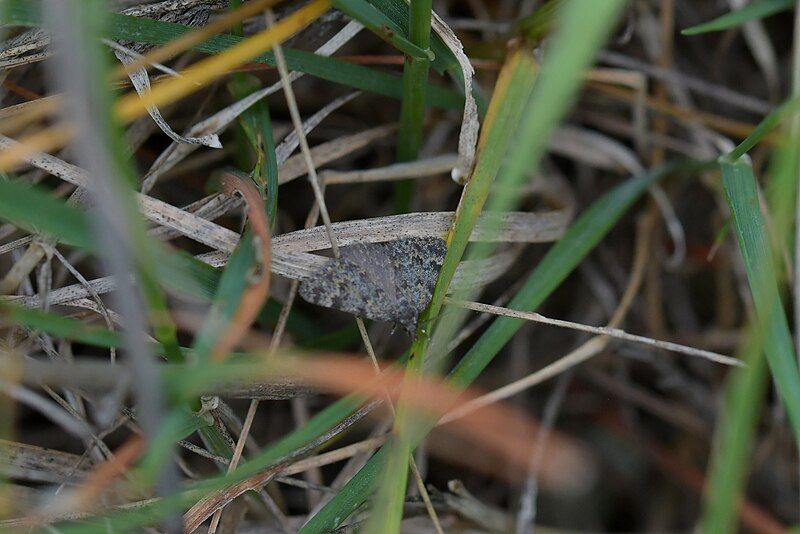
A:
(344, 285)
(376, 263)
(421, 259)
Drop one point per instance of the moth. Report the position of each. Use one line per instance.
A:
(391, 281)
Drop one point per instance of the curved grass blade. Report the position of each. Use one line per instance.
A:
(765, 127)
(512, 91)
(530, 124)
(757, 10)
(398, 12)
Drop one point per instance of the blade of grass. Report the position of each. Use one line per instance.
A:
(231, 287)
(398, 12)
(382, 26)
(118, 228)
(256, 127)
(256, 133)
(33, 209)
(444, 59)
(740, 191)
(744, 397)
(728, 467)
(757, 10)
(412, 106)
(580, 33)
(59, 326)
(764, 127)
(511, 94)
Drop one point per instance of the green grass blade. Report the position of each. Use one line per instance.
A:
(729, 464)
(740, 191)
(559, 262)
(232, 285)
(444, 60)
(179, 424)
(765, 127)
(757, 10)
(744, 397)
(412, 106)
(35, 210)
(538, 24)
(59, 326)
(398, 12)
(580, 33)
(381, 25)
(511, 94)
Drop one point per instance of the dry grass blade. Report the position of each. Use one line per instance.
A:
(398, 171)
(85, 497)
(599, 330)
(223, 118)
(38, 464)
(468, 136)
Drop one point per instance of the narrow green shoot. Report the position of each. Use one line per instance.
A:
(412, 107)
(754, 11)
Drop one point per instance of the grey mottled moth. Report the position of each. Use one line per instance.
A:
(390, 281)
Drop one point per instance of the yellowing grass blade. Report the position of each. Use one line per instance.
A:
(202, 73)
(42, 141)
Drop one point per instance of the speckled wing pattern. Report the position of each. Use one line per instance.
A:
(390, 281)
